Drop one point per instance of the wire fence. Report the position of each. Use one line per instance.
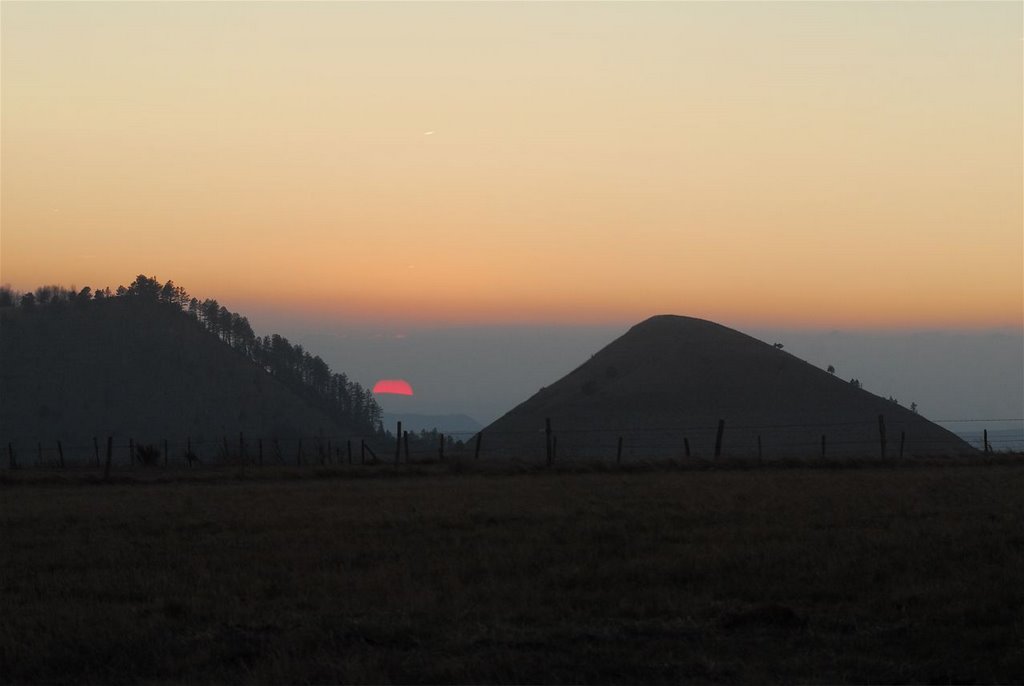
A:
(544, 444)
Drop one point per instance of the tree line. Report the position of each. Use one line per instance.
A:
(306, 374)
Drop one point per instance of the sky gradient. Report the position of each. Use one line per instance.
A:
(772, 164)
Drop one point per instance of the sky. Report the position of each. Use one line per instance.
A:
(809, 164)
(397, 167)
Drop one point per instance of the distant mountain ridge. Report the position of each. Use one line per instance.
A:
(459, 424)
(152, 364)
(665, 385)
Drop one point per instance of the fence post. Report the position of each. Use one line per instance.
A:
(440, 448)
(718, 438)
(398, 443)
(348, 449)
(882, 435)
(686, 445)
(618, 452)
(903, 439)
(984, 443)
(362, 451)
(110, 457)
(12, 463)
(547, 440)
(476, 451)
(96, 449)
(60, 452)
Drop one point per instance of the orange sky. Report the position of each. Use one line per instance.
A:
(810, 164)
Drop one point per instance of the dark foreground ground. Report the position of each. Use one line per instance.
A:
(779, 575)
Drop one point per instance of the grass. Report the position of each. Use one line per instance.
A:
(783, 575)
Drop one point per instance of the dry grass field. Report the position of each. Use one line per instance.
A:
(908, 575)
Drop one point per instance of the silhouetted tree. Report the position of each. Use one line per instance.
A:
(144, 288)
(8, 297)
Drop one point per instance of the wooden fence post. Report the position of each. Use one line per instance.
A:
(618, 452)
(984, 442)
(548, 448)
(110, 457)
(60, 452)
(686, 445)
(398, 443)
(476, 450)
(348, 449)
(882, 435)
(718, 438)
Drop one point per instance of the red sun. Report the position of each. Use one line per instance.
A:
(393, 386)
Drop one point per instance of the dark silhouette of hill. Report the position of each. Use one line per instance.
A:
(150, 364)
(669, 380)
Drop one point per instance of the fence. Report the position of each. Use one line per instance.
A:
(545, 444)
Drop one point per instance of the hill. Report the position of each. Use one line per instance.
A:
(669, 380)
(144, 368)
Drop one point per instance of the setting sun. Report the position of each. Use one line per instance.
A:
(392, 387)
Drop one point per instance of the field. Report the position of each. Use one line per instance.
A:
(877, 574)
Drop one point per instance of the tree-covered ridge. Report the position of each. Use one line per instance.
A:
(306, 374)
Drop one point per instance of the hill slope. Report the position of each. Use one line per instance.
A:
(669, 380)
(140, 370)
